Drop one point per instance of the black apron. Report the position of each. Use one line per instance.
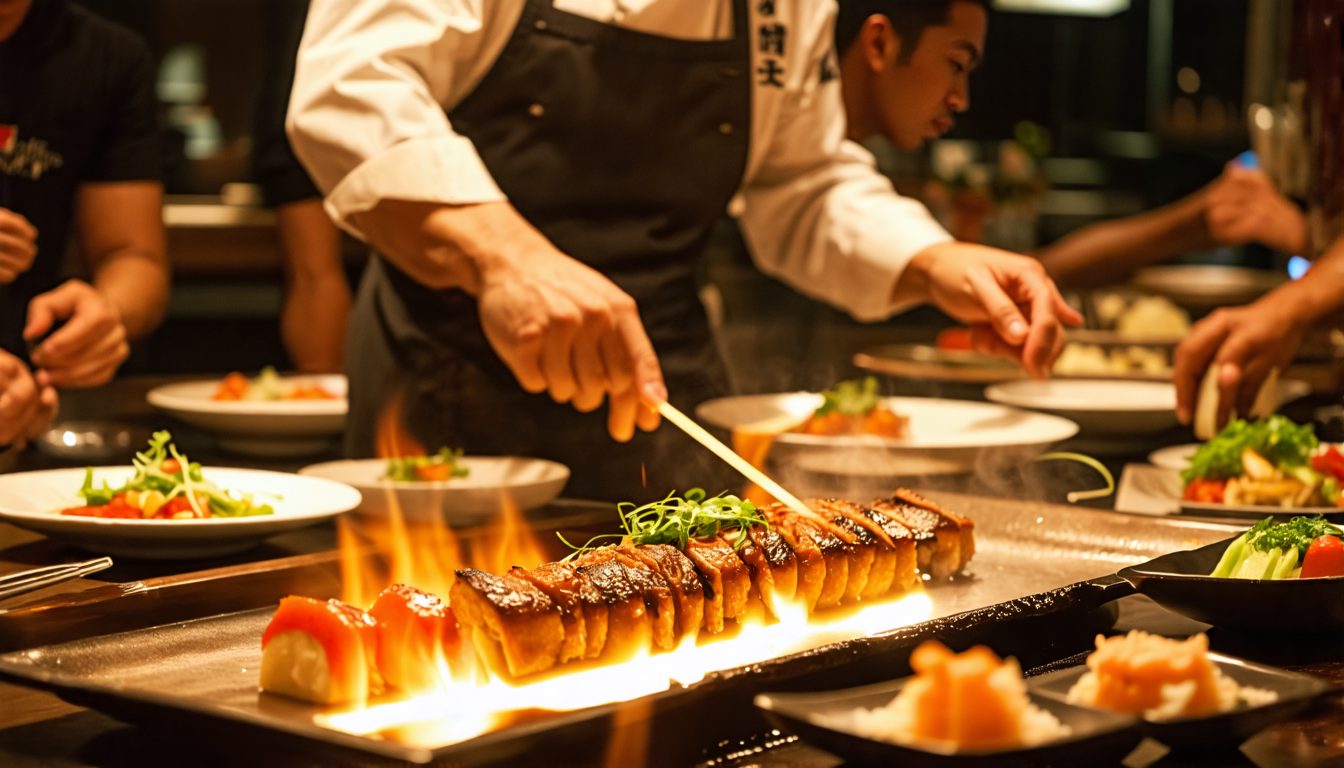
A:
(623, 148)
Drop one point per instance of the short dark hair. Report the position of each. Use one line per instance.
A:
(909, 19)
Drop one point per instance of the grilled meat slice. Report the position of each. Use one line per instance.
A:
(811, 570)
(583, 610)
(657, 594)
(729, 579)
(834, 551)
(629, 630)
(779, 557)
(773, 566)
(873, 563)
(945, 541)
(515, 624)
(688, 589)
(905, 573)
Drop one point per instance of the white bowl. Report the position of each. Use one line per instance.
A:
(33, 500)
(259, 427)
(491, 481)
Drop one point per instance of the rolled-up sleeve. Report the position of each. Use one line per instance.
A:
(367, 111)
(818, 215)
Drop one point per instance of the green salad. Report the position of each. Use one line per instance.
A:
(1301, 547)
(165, 486)
(440, 466)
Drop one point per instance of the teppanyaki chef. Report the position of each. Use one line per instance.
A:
(540, 178)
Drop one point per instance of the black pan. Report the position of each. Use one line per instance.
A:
(1180, 582)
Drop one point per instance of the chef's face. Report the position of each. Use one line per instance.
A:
(918, 92)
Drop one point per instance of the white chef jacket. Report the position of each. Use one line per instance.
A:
(375, 79)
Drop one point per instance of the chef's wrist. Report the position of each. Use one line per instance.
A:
(915, 284)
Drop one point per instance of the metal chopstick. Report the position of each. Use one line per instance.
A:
(37, 578)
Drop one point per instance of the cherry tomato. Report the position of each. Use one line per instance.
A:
(1330, 462)
(954, 338)
(433, 472)
(1325, 557)
(171, 466)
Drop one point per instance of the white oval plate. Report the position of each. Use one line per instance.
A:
(945, 436)
(1158, 490)
(259, 427)
(1175, 457)
(1097, 405)
(490, 482)
(33, 500)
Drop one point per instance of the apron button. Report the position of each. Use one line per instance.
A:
(541, 25)
(536, 110)
(726, 129)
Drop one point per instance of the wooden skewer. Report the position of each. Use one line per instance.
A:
(716, 446)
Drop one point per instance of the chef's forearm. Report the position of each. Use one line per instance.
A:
(450, 246)
(1321, 291)
(1110, 251)
(137, 285)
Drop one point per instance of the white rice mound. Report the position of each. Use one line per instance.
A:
(895, 721)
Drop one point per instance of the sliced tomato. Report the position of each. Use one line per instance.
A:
(1205, 490)
(954, 338)
(1325, 557)
(1331, 461)
(433, 472)
(171, 509)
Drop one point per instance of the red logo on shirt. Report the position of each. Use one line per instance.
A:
(9, 136)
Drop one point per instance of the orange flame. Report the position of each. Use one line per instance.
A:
(391, 439)
(468, 699)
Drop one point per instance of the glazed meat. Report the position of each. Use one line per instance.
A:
(614, 602)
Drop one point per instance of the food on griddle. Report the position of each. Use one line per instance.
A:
(972, 700)
(1303, 547)
(854, 408)
(1160, 678)
(320, 651)
(268, 385)
(1271, 462)
(165, 486)
(690, 565)
(416, 633)
(433, 468)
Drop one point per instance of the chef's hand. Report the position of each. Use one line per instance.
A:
(565, 329)
(1245, 343)
(18, 245)
(26, 408)
(1012, 306)
(1242, 206)
(86, 351)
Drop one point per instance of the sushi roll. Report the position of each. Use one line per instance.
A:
(320, 651)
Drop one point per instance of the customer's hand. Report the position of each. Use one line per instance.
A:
(1245, 344)
(18, 245)
(86, 351)
(1242, 206)
(1012, 306)
(26, 408)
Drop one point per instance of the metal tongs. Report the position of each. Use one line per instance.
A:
(26, 581)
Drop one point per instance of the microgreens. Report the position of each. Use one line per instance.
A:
(678, 519)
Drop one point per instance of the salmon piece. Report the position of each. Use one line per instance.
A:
(515, 624)
(415, 630)
(323, 651)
